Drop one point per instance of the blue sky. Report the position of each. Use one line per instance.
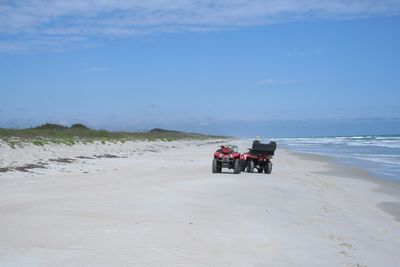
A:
(231, 67)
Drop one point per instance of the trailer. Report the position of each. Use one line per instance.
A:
(259, 157)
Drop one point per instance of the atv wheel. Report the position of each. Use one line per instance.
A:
(268, 167)
(260, 169)
(250, 166)
(237, 166)
(215, 167)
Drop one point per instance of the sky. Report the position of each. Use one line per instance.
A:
(242, 68)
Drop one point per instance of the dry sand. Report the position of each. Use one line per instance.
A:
(158, 204)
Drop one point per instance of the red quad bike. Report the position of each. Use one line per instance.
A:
(259, 157)
(227, 157)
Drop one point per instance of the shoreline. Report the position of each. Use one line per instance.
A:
(350, 171)
(379, 154)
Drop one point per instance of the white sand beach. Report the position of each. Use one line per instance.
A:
(158, 204)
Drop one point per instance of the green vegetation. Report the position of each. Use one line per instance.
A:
(59, 134)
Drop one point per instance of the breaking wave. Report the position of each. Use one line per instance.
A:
(378, 153)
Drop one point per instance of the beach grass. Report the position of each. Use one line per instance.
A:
(59, 134)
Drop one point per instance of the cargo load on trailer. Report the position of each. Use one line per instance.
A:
(263, 149)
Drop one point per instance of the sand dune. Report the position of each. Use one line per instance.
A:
(158, 204)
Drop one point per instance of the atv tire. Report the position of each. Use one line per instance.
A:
(215, 167)
(250, 166)
(268, 167)
(237, 166)
(260, 169)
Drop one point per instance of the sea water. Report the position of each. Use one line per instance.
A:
(378, 154)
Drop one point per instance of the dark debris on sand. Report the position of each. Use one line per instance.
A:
(62, 160)
(84, 157)
(24, 168)
(109, 156)
(42, 165)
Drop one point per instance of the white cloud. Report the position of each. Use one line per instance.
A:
(38, 20)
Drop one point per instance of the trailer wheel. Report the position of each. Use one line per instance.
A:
(215, 167)
(250, 166)
(237, 166)
(268, 167)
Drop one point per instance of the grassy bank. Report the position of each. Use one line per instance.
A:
(54, 133)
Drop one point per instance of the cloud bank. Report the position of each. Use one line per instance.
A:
(55, 23)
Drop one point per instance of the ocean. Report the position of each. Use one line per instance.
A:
(378, 154)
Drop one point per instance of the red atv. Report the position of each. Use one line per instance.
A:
(259, 157)
(227, 157)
